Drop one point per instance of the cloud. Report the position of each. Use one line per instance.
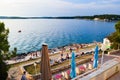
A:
(56, 7)
(109, 1)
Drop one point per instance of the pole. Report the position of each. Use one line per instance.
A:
(35, 70)
(35, 67)
(102, 58)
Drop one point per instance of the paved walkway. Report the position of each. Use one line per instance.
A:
(15, 73)
(115, 77)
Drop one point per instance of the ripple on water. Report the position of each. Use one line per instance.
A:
(55, 32)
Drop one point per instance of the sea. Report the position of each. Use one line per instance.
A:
(28, 35)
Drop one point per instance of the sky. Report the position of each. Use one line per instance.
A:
(58, 7)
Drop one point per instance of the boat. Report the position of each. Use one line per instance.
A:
(19, 31)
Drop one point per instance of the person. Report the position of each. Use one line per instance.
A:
(62, 59)
(82, 53)
(67, 56)
(70, 50)
(92, 59)
(61, 54)
(24, 76)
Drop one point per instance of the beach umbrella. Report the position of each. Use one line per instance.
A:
(66, 75)
(82, 68)
(63, 73)
(90, 66)
(73, 66)
(77, 70)
(45, 64)
(103, 48)
(85, 65)
(58, 76)
(68, 72)
(95, 62)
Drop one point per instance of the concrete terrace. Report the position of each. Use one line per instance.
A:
(110, 70)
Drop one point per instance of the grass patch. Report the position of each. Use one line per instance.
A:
(31, 69)
(24, 62)
(29, 61)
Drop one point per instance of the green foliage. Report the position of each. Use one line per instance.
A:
(115, 37)
(3, 70)
(14, 53)
(108, 16)
(31, 68)
(117, 27)
(4, 48)
(4, 44)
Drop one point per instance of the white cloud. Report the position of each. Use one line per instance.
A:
(109, 1)
(51, 7)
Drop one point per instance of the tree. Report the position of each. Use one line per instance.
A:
(115, 37)
(4, 48)
(117, 27)
(14, 52)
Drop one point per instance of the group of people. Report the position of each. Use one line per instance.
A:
(67, 57)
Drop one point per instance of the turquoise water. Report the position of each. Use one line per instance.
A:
(54, 32)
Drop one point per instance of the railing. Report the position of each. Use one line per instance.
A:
(110, 68)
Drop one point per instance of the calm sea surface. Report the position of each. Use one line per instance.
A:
(54, 32)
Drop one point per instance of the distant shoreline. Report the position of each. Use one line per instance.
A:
(104, 17)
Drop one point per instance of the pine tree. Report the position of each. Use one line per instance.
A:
(4, 48)
(115, 37)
